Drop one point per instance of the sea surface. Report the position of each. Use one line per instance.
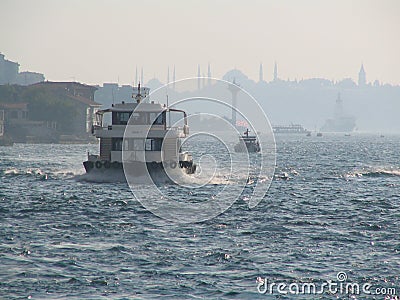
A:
(333, 206)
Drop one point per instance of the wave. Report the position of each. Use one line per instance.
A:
(374, 172)
(18, 172)
(176, 176)
(37, 172)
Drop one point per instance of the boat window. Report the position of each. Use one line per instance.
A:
(148, 145)
(157, 144)
(138, 119)
(153, 144)
(126, 145)
(117, 144)
(121, 118)
(157, 118)
(137, 144)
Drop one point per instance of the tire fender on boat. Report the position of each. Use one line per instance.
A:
(90, 164)
(172, 164)
(98, 164)
(107, 164)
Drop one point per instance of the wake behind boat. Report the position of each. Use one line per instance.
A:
(139, 140)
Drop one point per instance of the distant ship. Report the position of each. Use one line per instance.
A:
(341, 122)
(292, 128)
(247, 143)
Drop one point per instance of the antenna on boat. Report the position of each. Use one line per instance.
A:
(169, 113)
(113, 96)
(138, 96)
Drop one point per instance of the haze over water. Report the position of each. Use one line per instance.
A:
(333, 207)
(95, 42)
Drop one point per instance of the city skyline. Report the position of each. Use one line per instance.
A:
(204, 79)
(308, 39)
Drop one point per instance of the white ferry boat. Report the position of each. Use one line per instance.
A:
(139, 137)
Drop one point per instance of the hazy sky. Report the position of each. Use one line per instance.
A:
(95, 41)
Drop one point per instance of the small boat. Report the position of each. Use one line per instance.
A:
(319, 134)
(247, 143)
(308, 133)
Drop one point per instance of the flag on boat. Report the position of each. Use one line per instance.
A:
(242, 123)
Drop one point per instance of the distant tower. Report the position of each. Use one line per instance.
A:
(338, 107)
(261, 75)
(275, 72)
(209, 75)
(168, 75)
(136, 78)
(234, 88)
(173, 79)
(198, 77)
(141, 77)
(362, 79)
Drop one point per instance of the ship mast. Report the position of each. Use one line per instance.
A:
(138, 96)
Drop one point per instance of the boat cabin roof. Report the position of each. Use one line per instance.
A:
(248, 138)
(137, 107)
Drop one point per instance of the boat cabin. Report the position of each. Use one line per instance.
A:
(147, 135)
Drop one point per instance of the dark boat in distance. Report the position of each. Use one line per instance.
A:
(247, 143)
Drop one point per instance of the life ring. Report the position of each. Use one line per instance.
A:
(173, 164)
(107, 164)
(98, 164)
(115, 165)
(90, 164)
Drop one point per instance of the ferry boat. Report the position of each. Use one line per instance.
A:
(247, 143)
(139, 138)
(292, 128)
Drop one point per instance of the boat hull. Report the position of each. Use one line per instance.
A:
(135, 170)
(241, 147)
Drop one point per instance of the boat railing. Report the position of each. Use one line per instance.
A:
(184, 128)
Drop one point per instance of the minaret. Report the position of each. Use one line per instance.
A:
(275, 72)
(198, 77)
(136, 78)
(168, 75)
(234, 89)
(209, 75)
(261, 75)
(362, 79)
(173, 79)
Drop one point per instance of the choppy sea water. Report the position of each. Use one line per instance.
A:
(333, 206)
